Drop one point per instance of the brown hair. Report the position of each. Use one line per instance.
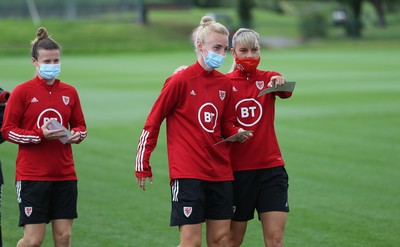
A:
(43, 41)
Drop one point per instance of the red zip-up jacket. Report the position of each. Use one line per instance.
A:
(257, 114)
(29, 106)
(199, 112)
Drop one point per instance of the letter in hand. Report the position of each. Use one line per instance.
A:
(244, 136)
(75, 137)
(241, 136)
(276, 81)
(54, 130)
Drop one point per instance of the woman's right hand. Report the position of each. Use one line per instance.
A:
(180, 68)
(52, 134)
(142, 182)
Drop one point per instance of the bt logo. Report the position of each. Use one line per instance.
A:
(47, 115)
(248, 112)
(48, 119)
(208, 116)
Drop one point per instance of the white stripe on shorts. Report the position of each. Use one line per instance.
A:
(175, 190)
(18, 187)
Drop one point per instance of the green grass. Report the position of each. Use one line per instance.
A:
(338, 133)
(170, 31)
(339, 136)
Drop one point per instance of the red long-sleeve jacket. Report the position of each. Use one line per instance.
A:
(257, 114)
(29, 106)
(199, 112)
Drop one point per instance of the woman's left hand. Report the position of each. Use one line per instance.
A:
(244, 137)
(75, 137)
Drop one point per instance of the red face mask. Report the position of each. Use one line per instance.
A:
(247, 64)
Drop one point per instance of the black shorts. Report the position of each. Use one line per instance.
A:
(43, 201)
(263, 190)
(194, 201)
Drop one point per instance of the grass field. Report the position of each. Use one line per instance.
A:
(339, 136)
(339, 132)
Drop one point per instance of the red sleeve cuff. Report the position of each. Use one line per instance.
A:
(40, 134)
(144, 174)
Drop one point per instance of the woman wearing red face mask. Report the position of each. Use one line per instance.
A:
(261, 181)
(197, 106)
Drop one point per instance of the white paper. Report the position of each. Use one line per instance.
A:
(54, 125)
(288, 86)
(234, 137)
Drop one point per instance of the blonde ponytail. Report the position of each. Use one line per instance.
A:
(208, 25)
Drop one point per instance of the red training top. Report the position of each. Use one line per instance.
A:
(257, 114)
(29, 106)
(198, 108)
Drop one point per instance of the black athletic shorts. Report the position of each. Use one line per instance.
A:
(263, 190)
(43, 201)
(194, 201)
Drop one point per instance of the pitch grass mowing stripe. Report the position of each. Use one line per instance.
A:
(338, 134)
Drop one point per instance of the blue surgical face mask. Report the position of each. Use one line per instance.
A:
(49, 71)
(213, 60)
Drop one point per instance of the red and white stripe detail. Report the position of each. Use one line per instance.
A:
(82, 134)
(23, 138)
(140, 150)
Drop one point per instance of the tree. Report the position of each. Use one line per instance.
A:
(356, 8)
(141, 12)
(378, 6)
(354, 24)
(244, 8)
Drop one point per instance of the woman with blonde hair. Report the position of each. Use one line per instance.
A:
(261, 181)
(196, 104)
(44, 117)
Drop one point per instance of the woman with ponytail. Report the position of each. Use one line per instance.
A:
(44, 117)
(261, 181)
(197, 105)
